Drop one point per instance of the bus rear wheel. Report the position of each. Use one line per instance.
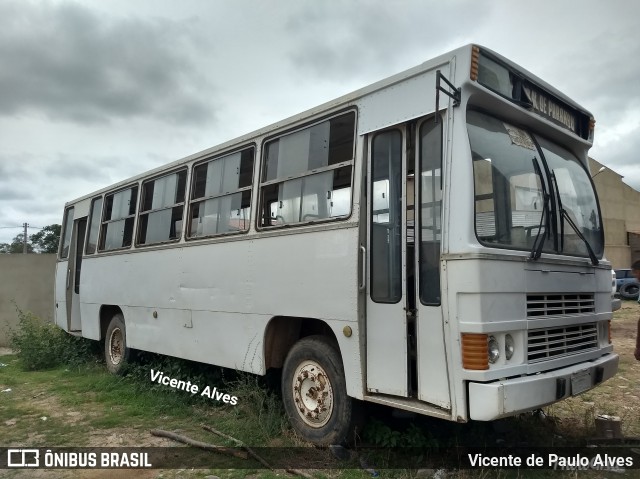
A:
(116, 352)
(314, 392)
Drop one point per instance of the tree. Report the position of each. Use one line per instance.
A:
(46, 240)
(16, 246)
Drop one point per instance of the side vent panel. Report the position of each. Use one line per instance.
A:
(551, 343)
(543, 305)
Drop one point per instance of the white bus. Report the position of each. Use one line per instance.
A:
(432, 242)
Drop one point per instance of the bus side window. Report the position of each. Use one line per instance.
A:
(118, 218)
(307, 174)
(221, 195)
(162, 209)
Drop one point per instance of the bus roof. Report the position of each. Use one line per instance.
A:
(463, 54)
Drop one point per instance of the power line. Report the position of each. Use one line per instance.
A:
(20, 227)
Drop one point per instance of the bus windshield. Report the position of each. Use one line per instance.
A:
(509, 191)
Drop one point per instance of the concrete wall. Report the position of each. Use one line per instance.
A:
(26, 279)
(634, 245)
(620, 207)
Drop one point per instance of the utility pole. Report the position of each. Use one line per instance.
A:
(24, 238)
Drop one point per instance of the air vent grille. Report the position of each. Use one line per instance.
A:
(540, 305)
(551, 343)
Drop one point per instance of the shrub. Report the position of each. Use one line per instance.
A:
(379, 434)
(141, 364)
(42, 345)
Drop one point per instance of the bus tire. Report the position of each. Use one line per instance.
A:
(630, 290)
(116, 352)
(314, 392)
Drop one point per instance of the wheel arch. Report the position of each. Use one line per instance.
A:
(107, 311)
(282, 332)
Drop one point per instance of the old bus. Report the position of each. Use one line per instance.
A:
(432, 242)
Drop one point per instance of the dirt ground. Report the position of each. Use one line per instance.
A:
(619, 396)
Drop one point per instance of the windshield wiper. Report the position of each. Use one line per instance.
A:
(538, 243)
(592, 255)
(559, 200)
(565, 216)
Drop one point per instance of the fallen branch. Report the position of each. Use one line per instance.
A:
(252, 453)
(239, 443)
(199, 444)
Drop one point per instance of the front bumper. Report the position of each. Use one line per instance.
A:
(489, 401)
(616, 304)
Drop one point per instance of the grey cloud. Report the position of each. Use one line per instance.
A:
(94, 169)
(350, 38)
(622, 156)
(87, 172)
(604, 72)
(71, 63)
(9, 193)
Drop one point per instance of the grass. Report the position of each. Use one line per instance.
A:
(619, 396)
(83, 405)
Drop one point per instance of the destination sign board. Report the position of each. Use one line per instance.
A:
(546, 106)
(505, 80)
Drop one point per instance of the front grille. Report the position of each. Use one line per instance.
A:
(555, 304)
(551, 343)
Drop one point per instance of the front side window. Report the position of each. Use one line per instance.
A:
(118, 218)
(66, 236)
(161, 209)
(512, 171)
(221, 195)
(430, 234)
(307, 174)
(94, 226)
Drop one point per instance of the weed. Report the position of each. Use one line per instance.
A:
(257, 417)
(42, 345)
(255, 400)
(139, 370)
(379, 434)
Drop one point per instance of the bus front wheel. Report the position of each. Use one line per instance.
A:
(314, 392)
(116, 352)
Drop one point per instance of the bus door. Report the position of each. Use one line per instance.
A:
(73, 274)
(405, 325)
(386, 282)
(430, 355)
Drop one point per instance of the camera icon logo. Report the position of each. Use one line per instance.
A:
(23, 458)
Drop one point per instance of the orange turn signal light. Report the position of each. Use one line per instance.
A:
(474, 351)
(475, 61)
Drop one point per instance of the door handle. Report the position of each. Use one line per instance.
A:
(363, 270)
(68, 276)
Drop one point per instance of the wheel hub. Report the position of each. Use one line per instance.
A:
(313, 394)
(115, 346)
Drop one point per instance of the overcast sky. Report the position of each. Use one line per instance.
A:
(92, 92)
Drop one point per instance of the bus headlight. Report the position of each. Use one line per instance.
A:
(509, 346)
(493, 349)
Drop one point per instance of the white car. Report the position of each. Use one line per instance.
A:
(616, 303)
